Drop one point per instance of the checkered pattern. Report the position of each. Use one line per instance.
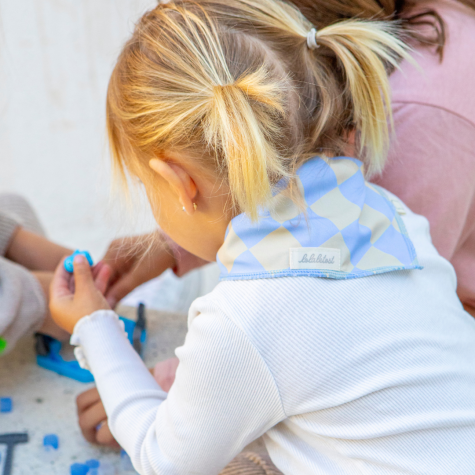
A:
(341, 211)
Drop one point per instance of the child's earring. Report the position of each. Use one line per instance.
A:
(195, 207)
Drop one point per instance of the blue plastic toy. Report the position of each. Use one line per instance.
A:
(93, 465)
(69, 261)
(6, 404)
(51, 440)
(48, 354)
(79, 469)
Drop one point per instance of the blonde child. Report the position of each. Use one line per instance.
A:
(335, 331)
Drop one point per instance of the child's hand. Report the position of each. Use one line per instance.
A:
(133, 263)
(92, 419)
(92, 415)
(68, 306)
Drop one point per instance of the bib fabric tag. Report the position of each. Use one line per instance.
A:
(398, 207)
(315, 258)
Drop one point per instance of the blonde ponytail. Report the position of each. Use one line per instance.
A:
(365, 49)
(242, 133)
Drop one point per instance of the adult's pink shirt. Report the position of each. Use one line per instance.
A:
(431, 166)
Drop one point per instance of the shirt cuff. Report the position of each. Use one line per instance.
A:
(102, 346)
(7, 229)
(184, 260)
(93, 321)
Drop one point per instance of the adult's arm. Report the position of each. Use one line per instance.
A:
(431, 167)
(223, 396)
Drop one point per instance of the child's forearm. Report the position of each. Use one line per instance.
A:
(35, 252)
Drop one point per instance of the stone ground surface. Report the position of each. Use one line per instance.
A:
(44, 402)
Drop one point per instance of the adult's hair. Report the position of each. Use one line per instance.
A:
(211, 78)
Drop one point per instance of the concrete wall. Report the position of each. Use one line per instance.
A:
(56, 57)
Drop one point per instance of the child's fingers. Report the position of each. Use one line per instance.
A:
(102, 278)
(90, 419)
(60, 285)
(82, 274)
(96, 268)
(104, 436)
(86, 399)
(120, 289)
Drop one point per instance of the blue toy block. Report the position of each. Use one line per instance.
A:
(69, 261)
(79, 469)
(93, 465)
(6, 404)
(53, 360)
(51, 440)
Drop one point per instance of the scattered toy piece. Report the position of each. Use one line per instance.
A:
(51, 440)
(10, 440)
(50, 447)
(6, 404)
(93, 465)
(79, 469)
(69, 262)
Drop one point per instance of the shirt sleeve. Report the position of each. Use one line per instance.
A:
(22, 302)
(431, 167)
(7, 228)
(223, 397)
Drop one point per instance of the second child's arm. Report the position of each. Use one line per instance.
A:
(34, 252)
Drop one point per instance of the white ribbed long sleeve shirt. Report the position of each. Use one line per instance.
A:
(374, 375)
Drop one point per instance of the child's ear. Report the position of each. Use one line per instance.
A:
(179, 180)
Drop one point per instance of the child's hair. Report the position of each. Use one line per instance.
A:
(248, 88)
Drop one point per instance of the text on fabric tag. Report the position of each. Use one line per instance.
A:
(315, 258)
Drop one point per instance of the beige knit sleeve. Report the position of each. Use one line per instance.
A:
(7, 227)
(22, 302)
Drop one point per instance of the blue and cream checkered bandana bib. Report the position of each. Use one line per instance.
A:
(349, 229)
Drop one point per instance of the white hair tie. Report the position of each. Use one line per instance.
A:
(312, 39)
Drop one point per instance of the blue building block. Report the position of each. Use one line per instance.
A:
(6, 404)
(69, 261)
(79, 469)
(93, 465)
(50, 357)
(51, 440)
